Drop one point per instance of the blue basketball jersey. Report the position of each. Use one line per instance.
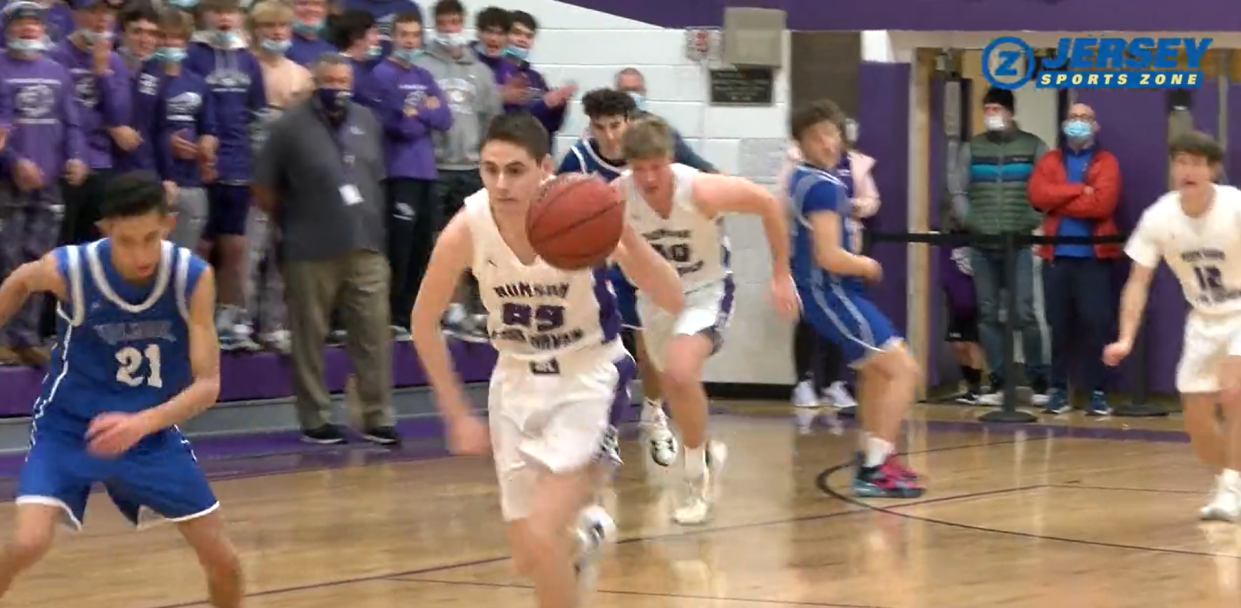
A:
(813, 190)
(120, 347)
(584, 157)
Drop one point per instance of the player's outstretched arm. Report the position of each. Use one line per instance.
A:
(449, 260)
(718, 194)
(204, 361)
(649, 271)
(39, 276)
(1133, 300)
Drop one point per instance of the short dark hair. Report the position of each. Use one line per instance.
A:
(349, 27)
(414, 16)
(444, 8)
(492, 17)
(1196, 143)
(805, 117)
(521, 129)
(133, 194)
(523, 18)
(141, 12)
(601, 103)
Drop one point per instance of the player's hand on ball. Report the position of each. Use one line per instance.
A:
(1116, 352)
(784, 297)
(468, 436)
(113, 433)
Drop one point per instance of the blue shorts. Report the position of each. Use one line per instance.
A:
(626, 298)
(849, 320)
(163, 478)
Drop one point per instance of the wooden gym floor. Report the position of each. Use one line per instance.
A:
(1067, 514)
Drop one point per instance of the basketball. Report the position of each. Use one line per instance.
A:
(576, 222)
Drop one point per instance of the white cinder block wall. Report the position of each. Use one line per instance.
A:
(589, 47)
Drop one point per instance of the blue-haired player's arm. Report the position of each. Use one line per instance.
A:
(204, 362)
(821, 206)
(40, 276)
(449, 260)
(649, 271)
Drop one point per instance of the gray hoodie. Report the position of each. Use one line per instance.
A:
(470, 91)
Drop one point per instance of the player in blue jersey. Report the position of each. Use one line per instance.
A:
(609, 111)
(831, 278)
(136, 354)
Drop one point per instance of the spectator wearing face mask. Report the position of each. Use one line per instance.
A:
(524, 88)
(988, 185)
(184, 127)
(309, 19)
(631, 81)
(221, 55)
(412, 109)
(1077, 188)
(356, 36)
(101, 90)
(57, 21)
(471, 94)
(491, 25)
(44, 141)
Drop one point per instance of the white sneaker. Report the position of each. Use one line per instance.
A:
(803, 395)
(1225, 503)
(595, 530)
(663, 443)
(839, 397)
(702, 493)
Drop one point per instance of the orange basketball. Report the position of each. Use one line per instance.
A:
(577, 221)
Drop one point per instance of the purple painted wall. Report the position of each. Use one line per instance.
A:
(962, 15)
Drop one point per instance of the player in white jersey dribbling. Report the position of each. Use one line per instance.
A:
(680, 212)
(561, 364)
(1196, 230)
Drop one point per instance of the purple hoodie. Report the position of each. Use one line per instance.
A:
(957, 279)
(552, 118)
(305, 51)
(145, 81)
(103, 100)
(38, 107)
(185, 105)
(408, 146)
(236, 83)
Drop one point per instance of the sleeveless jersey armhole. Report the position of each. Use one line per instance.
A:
(187, 273)
(69, 265)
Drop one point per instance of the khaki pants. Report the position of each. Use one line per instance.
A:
(355, 283)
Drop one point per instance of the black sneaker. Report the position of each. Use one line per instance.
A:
(382, 435)
(327, 434)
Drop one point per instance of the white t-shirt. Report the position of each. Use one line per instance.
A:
(1203, 252)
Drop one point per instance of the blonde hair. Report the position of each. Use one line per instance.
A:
(269, 11)
(176, 22)
(648, 137)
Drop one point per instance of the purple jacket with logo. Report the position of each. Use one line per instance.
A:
(409, 149)
(37, 106)
(104, 101)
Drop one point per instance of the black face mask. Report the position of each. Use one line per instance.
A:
(334, 102)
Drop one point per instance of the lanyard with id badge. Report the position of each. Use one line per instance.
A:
(349, 192)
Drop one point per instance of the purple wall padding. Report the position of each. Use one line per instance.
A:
(884, 119)
(248, 377)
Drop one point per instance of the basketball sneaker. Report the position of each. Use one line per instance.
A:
(888, 480)
(663, 442)
(1225, 502)
(701, 493)
(595, 530)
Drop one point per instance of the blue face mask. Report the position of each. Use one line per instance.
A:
(278, 47)
(226, 39)
(638, 99)
(374, 51)
(93, 37)
(517, 52)
(452, 41)
(407, 55)
(1078, 129)
(18, 45)
(170, 54)
(183, 4)
(306, 28)
(334, 101)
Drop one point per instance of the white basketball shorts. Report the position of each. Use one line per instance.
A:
(708, 310)
(1208, 339)
(554, 416)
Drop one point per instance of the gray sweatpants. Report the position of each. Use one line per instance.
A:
(264, 283)
(30, 225)
(191, 214)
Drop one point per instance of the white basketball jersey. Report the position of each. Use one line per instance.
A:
(536, 312)
(694, 243)
(1203, 252)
